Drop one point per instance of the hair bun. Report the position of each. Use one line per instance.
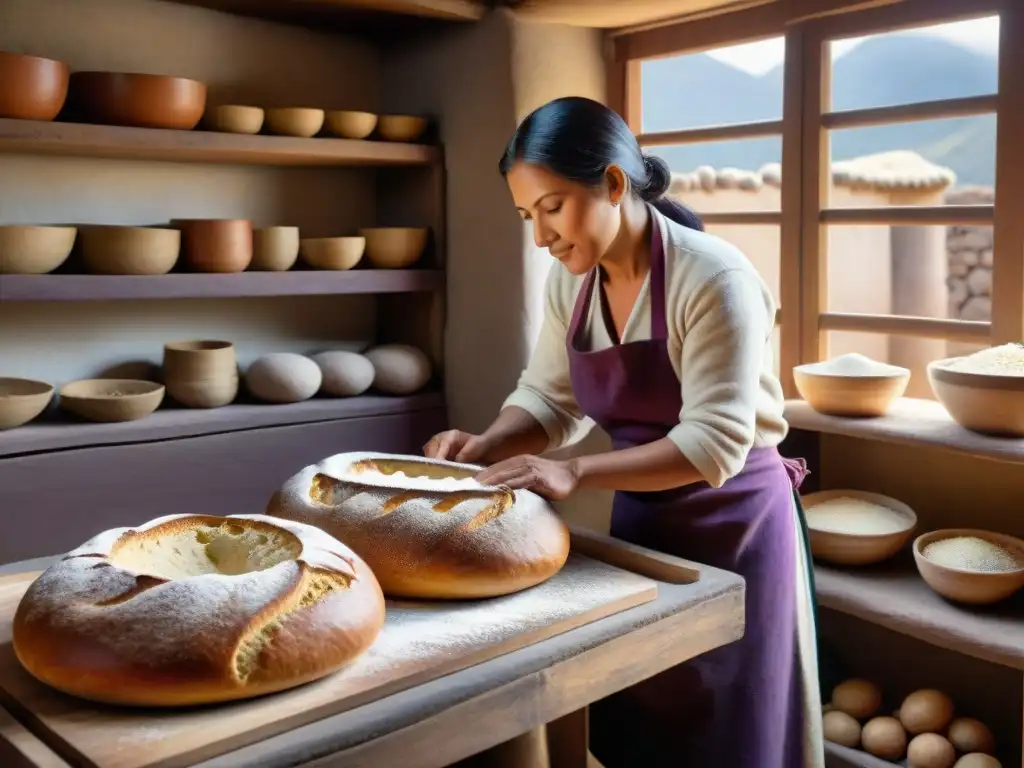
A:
(659, 177)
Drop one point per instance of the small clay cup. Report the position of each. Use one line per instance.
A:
(197, 360)
(215, 245)
(31, 87)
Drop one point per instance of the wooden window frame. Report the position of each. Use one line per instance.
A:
(808, 27)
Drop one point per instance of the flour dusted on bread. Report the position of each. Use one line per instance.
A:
(191, 609)
(426, 527)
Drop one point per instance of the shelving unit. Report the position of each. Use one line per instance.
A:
(199, 146)
(239, 454)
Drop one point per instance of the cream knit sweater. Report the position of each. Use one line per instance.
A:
(720, 316)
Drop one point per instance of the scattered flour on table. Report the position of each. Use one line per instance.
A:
(846, 514)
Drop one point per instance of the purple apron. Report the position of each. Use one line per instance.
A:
(741, 705)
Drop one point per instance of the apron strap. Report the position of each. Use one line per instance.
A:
(659, 322)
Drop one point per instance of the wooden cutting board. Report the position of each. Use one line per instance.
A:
(420, 642)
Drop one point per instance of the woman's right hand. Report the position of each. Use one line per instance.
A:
(456, 445)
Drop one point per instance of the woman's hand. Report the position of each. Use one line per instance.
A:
(554, 480)
(456, 445)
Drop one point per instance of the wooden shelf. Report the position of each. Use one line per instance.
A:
(909, 422)
(202, 286)
(894, 596)
(54, 433)
(80, 140)
(445, 10)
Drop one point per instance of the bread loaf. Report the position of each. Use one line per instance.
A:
(194, 609)
(426, 527)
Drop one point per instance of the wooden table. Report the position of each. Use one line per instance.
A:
(468, 712)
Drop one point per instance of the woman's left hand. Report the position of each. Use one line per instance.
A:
(554, 480)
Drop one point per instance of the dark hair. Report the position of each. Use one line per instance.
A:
(579, 139)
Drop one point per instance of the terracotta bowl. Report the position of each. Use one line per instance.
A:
(850, 547)
(142, 101)
(31, 88)
(401, 127)
(203, 393)
(981, 402)
(274, 249)
(394, 247)
(968, 586)
(111, 399)
(295, 121)
(34, 250)
(22, 400)
(349, 124)
(852, 396)
(116, 250)
(216, 245)
(231, 118)
(333, 252)
(199, 360)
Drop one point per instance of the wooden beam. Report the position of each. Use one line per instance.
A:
(742, 218)
(710, 133)
(972, 332)
(816, 179)
(1008, 231)
(938, 109)
(911, 215)
(904, 15)
(791, 230)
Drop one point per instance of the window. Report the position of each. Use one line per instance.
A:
(898, 230)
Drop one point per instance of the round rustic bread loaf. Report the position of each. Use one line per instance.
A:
(425, 527)
(283, 377)
(194, 609)
(399, 369)
(345, 374)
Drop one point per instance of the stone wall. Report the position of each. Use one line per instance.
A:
(970, 260)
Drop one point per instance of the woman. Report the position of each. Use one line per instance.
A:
(661, 334)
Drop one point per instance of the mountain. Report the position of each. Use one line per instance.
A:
(696, 91)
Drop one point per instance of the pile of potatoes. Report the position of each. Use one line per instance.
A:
(923, 730)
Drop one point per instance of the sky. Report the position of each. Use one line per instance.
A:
(981, 35)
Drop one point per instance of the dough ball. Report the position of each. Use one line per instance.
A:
(977, 760)
(400, 369)
(857, 698)
(926, 711)
(970, 735)
(929, 750)
(840, 728)
(345, 374)
(283, 377)
(884, 737)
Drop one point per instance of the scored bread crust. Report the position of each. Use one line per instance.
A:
(431, 532)
(114, 634)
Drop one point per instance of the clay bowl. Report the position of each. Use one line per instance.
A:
(851, 547)
(401, 127)
(981, 402)
(203, 393)
(111, 399)
(34, 250)
(116, 250)
(199, 360)
(274, 249)
(970, 586)
(31, 88)
(231, 118)
(394, 247)
(333, 252)
(349, 124)
(216, 245)
(21, 400)
(849, 395)
(295, 121)
(142, 101)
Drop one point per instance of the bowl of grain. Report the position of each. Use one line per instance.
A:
(969, 565)
(983, 392)
(856, 527)
(851, 385)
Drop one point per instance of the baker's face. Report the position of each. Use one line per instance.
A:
(575, 222)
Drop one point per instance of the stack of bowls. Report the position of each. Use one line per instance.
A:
(201, 374)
